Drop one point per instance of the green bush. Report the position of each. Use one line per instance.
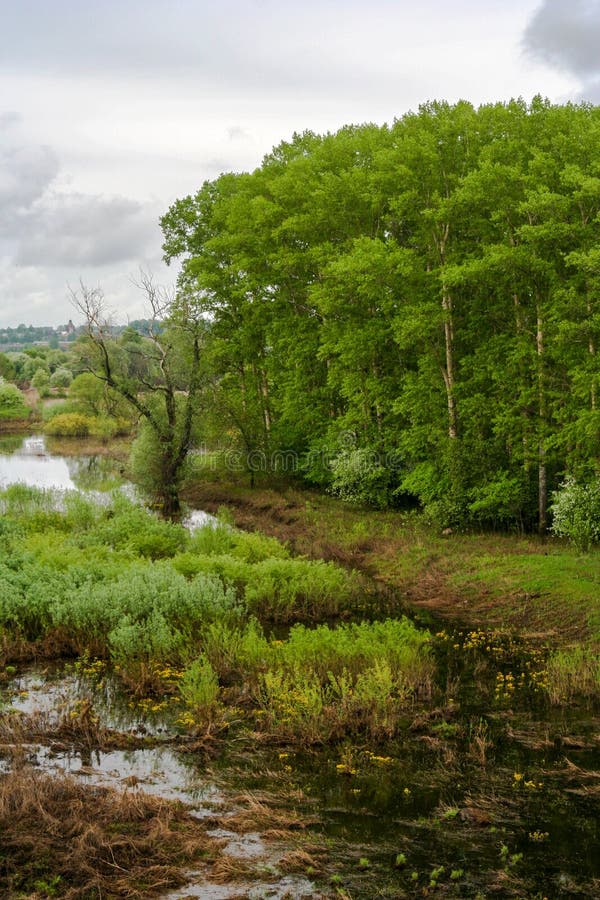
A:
(12, 402)
(280, 590)
(199, 688)
(287, 590)
(358, 476)
(127, 526)
(61, 378)
(576, 512)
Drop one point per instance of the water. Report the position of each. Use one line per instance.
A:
(32, 462)
(490, 792)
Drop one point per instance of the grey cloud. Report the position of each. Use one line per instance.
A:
(567, 36)
(272, 45)
(9, 118)
(81, 230)
(26, 172)
(237, 133)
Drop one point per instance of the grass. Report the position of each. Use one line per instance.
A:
(117, 583)
(59, 838)
(541, 587)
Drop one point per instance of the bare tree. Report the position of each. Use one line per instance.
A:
(157, 374)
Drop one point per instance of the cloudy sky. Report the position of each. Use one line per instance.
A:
(111, 109)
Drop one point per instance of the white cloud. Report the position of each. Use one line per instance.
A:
(51, 236)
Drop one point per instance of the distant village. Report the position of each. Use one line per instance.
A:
(61, 337)
(38, 336)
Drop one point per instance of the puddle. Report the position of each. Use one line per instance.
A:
(159, 771)
(51, 692)
(288, 888)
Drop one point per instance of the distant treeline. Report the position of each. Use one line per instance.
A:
(29, 335)
(411, 310)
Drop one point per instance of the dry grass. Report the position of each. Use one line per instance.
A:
(260, 812)
(78, 727)
(60, 838)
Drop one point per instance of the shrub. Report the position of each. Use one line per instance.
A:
(293, 703)
(199, 688)
(127, 526)
(69, 425)
(12, 402)
(285, 590)
(61, 378)
(576, 512)
(41, 382)
(358, 476)
(278, 589)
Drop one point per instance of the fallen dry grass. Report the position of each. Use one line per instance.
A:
(77, 728)
(61, 838)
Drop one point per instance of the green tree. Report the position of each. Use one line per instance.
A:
(158, 376)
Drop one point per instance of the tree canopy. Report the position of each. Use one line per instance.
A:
(425, 291)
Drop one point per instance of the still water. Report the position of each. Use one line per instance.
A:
(487, 793)
(32, 464)
(61, 466)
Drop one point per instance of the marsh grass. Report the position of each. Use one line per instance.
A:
(573, 673)
(92, 843)
(119, 584)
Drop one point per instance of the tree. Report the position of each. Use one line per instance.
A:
(158, 376)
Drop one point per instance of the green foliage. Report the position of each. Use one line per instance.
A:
(576, 512)
(127, 526)
(199, 688)
(69, 425)
(279, 590)
(61, 378)
(327, 682)
(80, 578)
(358, 476)
(12, 402)
(429, 287)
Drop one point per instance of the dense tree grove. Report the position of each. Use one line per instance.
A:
(411, 310)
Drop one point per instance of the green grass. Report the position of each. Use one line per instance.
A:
(484, 580)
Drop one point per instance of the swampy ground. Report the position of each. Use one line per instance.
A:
(483, 780)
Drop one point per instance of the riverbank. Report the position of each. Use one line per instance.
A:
(545, 590)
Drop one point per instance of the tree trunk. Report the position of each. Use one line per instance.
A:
(542, 471)
(448, 371)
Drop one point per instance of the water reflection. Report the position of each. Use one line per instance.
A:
(32, 465)
(28, 461)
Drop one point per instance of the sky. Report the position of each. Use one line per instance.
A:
(112, 109)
